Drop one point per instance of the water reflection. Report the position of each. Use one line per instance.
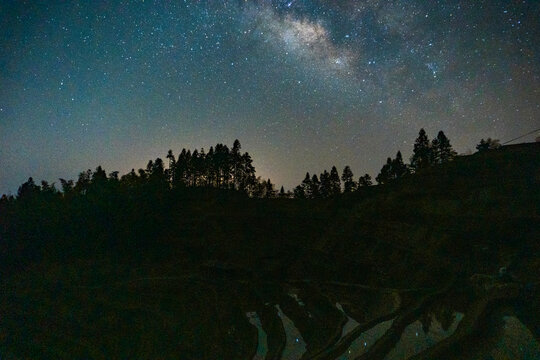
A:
(295, 345)
(365, 340)
(262, 341)
(350, 325)
(419, 336)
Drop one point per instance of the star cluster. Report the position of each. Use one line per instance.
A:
(303, 84)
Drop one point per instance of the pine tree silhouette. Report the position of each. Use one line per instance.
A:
(421, 152)
(365, 181)
(325, 188)
(335, 182)
(314, 188)
(349, 185)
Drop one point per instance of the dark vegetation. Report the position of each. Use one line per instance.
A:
(162, 262)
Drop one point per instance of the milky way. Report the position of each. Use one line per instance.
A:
(304, 85)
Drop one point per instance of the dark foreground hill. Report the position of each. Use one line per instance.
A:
(172, 273)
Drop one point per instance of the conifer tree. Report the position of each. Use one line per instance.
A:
(188, 168)
(83, 182)
(314, 188)
(172, 163)
(348, 180)
(130, 180)
(236, 164)
(180, 169)
(99, 176)
(67, 186)
(149, 167)
(270, 191)
(143, 176)
(434, 154)
(392, 170)
(398, 167)
(202, 168)
(299, 192)
(421, 152)
(488, 144)
(258, 189)
(28, 189)
(306, 185)
(385, 175)
(325, 187)
(444, 151)
(194, 168)
(335, 182)
(158, 169)
(365, 180)
(158, 178)
(247, 173)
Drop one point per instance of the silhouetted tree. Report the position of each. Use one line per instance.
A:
(335, 182)
(99, 177)
(236, 164)
(202, 169)
(247, 173)
(325, 188)
(488, 144)
(441, 149)
(83, 182)
(143, 176)
(421, 152)
(282, 193)
(210, 168)
(349, 184)
(4, 201)
(365, 180)
(157, 177)
(188, 168)
(398, 167)
(149, 168)
(434, 155)
(392, 170)
(130, 180)
(385, 175)
(306, 185)
(222, 165)
(194, 166)
(299, 192)
(181, 169)
(258, 190)
(314, 188)
(67, 186)
(270, 191)
(28, 189)
(172, 163)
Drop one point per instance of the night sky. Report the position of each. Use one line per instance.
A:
(303, 85)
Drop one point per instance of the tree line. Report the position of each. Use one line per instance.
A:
(425, 154)
(228, 168)
(221, 167)
(104, 212)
